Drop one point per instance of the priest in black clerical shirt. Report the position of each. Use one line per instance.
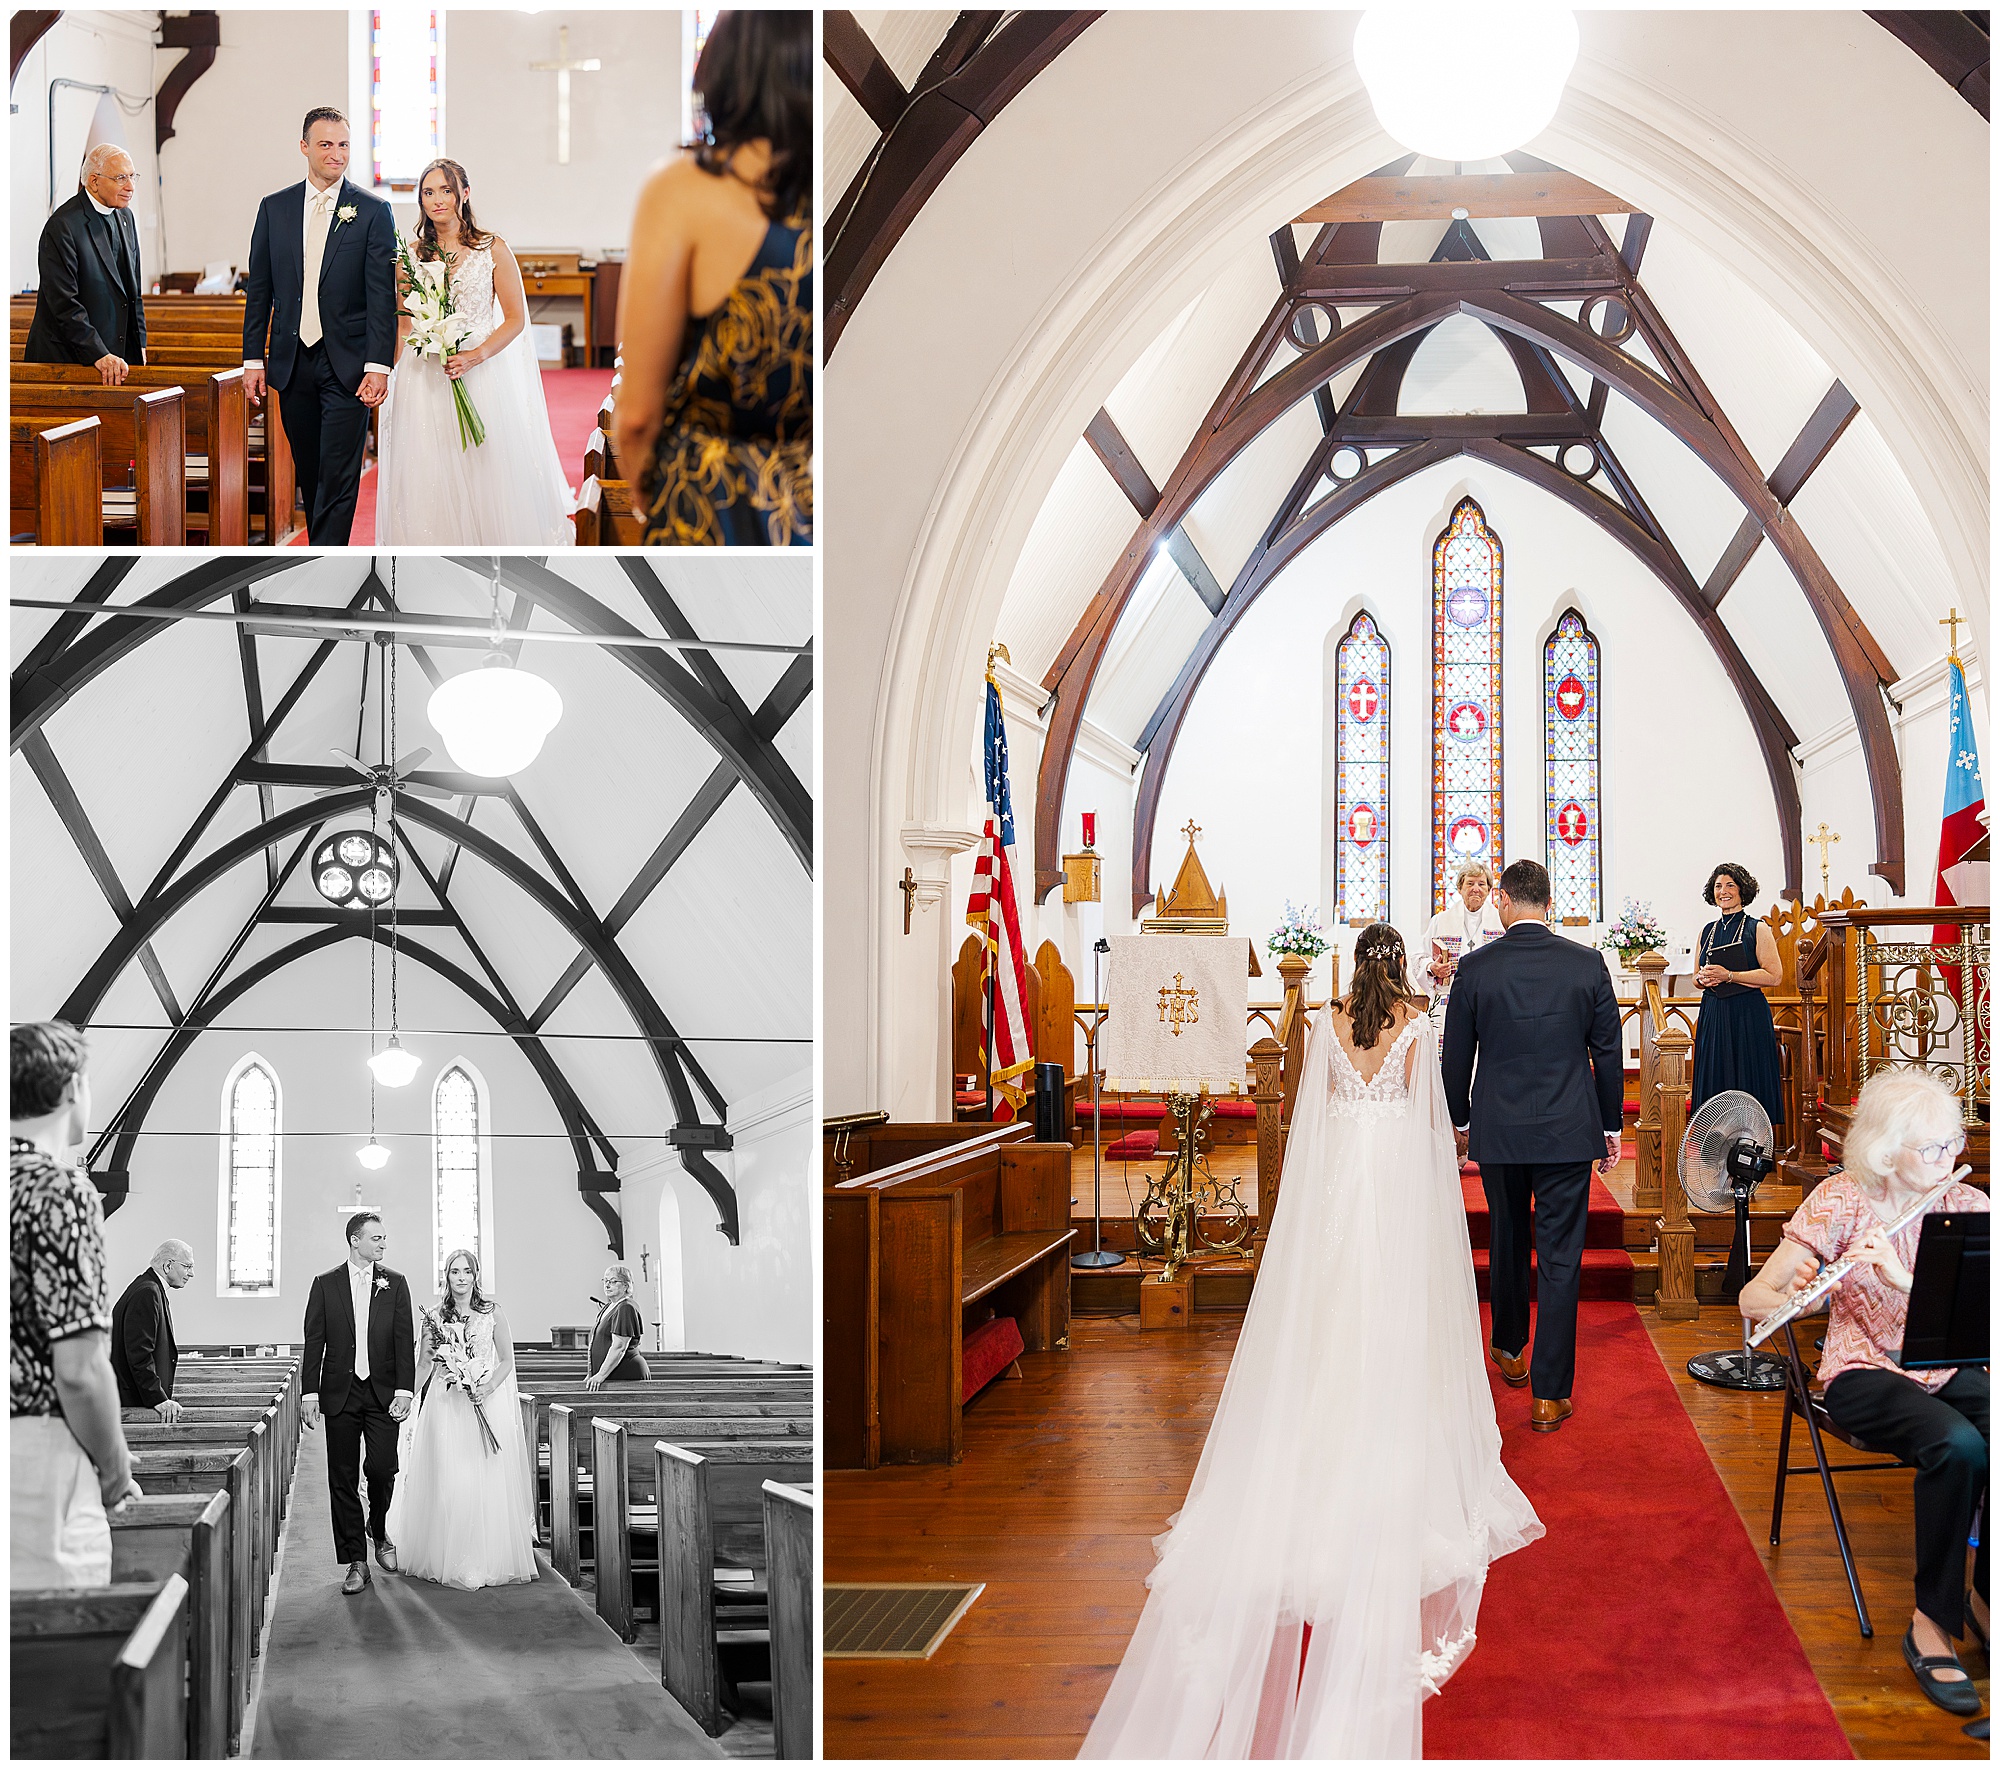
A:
(91, 306)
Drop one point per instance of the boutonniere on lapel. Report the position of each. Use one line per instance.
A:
(381, 1283)
(344, 214)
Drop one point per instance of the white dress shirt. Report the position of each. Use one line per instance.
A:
(320, 216)
(361, 1287)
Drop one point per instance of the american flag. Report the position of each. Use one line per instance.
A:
(993, 910)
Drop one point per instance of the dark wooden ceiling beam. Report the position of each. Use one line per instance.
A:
(69, 809)
(929, 137)
(110, 573)
(253, 716)
(1813, 444)
(325, 915)
(859, 64)
(1638, 232)
(1957, 46)
(200, 34)
(1108, 444)
(1482, 195)
(1539, 279)
(26, 30)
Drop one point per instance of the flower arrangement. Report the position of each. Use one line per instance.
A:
(462, 1368)
(1636, 931)
(1298, 932)
(439, 328)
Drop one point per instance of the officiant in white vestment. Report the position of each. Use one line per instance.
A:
(1469, 921)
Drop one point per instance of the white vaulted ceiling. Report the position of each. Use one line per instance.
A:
(722, 940)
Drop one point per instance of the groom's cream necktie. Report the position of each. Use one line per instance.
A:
(319, 211)
(361, 1287)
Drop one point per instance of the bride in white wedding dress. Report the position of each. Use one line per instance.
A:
(432, 489)
(464, 1511)
(1324, 1576)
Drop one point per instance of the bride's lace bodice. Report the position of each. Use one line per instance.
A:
(472, 293)
(1386, 1093)
(479, 1330)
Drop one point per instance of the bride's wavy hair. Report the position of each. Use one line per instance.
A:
(480, 1303)
(1380, 983)
(470, 234)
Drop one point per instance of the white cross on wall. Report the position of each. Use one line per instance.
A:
(562, 67)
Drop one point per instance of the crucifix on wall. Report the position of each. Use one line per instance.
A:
(562, 67)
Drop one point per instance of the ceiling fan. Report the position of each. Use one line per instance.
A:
(391, 778)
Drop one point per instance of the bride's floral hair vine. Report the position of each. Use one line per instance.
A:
(1379, 941)
(1380, 982)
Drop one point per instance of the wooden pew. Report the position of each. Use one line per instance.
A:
(218, 440)
(207, 1473)
(980, 1224)
(157, 1536)
(788, 1559)
(57, 496)
(100, 1673)
(711, 1516)
(571, 1480)
(144, 434)
(588, 516)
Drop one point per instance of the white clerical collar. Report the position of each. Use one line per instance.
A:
(101, 208)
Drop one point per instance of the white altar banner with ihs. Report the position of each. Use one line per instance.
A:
(1178, 1007)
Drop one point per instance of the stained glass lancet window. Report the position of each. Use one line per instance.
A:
(1569, 757)
(1361, 774)
(1465, 697)
(456, 1194)
(405, 93)
(250, 1110)
(695, 27)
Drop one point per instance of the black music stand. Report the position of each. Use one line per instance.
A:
(1947, 1322)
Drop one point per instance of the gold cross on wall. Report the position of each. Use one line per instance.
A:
(562, 67)
(1191, 831)
(1954, 620)
(1824, 840)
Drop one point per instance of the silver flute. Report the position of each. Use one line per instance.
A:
(1803, 1302)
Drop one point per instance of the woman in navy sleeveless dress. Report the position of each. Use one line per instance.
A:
(1736, 960)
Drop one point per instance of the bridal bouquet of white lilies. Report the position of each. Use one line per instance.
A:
(437, 327)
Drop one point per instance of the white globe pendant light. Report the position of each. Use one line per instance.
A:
(1465, 82)
(371, 1154)
(394, 1066)
(493, 719)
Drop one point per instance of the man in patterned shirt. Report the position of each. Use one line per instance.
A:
(66, 1448)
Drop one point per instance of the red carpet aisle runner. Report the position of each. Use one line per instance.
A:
(574, 396)
(1607, 1268)
(1642, 1625)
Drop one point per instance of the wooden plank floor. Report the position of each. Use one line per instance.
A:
(1058, 1520)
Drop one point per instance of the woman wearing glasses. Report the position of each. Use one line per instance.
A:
(1906, 1133)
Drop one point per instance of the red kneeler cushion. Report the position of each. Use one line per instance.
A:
(1138, 1111)
(989, 1349)
(1230, 1107)
(1134, 1146)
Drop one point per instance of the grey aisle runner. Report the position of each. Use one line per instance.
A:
(414, 1670)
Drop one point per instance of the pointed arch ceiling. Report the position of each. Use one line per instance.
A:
(646, 879)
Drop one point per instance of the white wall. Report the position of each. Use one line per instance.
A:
(100, 49)
(548, 1252)
(758, 1299)
(236, 132)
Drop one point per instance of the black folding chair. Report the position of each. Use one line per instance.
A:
(1809, 1403)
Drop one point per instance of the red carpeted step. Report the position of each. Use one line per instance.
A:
(1604, 1226)
(1573, 1665)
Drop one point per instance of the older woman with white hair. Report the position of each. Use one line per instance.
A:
(1906, 1132)
(1470, 920)
(614, 1341)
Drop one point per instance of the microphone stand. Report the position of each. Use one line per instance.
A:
(1099, 1255)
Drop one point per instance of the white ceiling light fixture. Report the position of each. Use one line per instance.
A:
(493, 719)
(393, 1066)
(371, 1154)
(1465, 82)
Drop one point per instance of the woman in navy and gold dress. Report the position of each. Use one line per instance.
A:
(1736, 961)
(713, 422)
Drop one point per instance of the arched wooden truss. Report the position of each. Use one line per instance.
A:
(67, 658)
(1513, 298)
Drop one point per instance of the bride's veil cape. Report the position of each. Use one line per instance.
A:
(1351, 1484)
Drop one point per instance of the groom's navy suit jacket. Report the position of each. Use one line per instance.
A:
(1539, 1012)
(357, 285)
(392, 1340)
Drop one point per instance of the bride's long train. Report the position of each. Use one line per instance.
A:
(1325, 1573)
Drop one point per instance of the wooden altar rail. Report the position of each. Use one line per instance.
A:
(1666, 1055)
(1845, 1045)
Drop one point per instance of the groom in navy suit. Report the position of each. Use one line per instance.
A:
(362, 1383)
(322, 280)
(1547, 1101)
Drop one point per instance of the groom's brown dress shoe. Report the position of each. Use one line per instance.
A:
(357, 1579)
(1546, 1416)
(385, 1552)
(1513, 1365)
